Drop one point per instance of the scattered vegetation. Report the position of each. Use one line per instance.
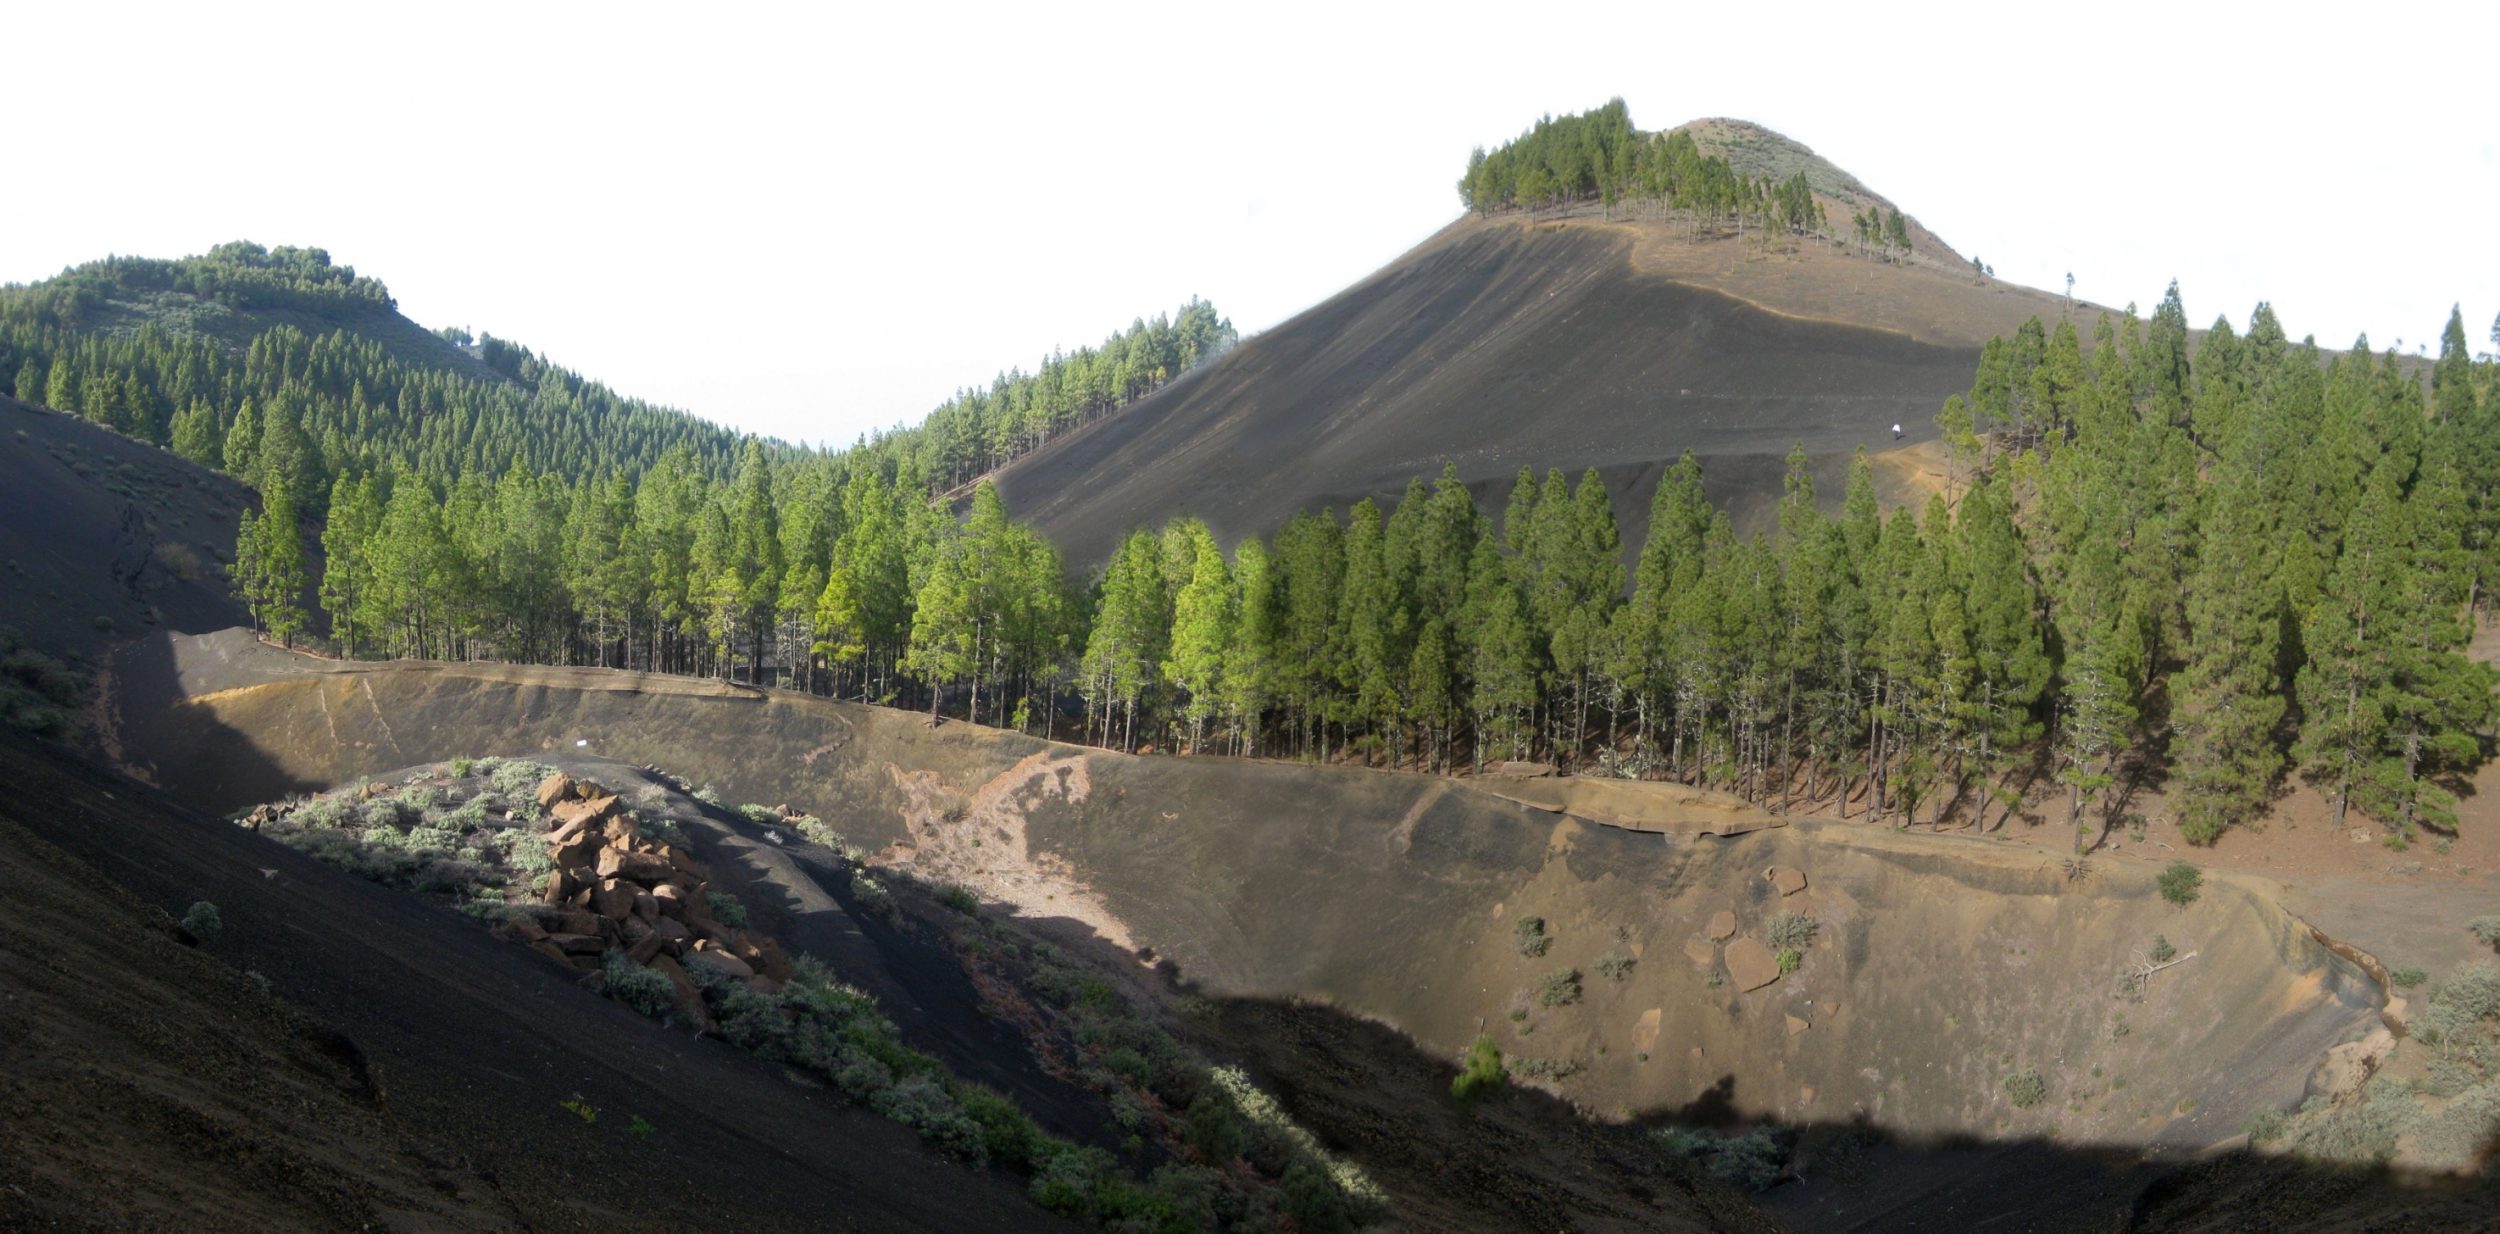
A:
(2487, 929)
(1751, 1159)
(2180, 882)
(2364, 1130)
(2162, 950)
(2026, 1088)
(2265, 1127)
(1616, 965)
(2407, 978)
(643, 989)
(1790, 930)
(1481, 1072)
(1546, 1069)
(1559, 988)
(727, 909)
(1789, 959)
(580, 1107)
(37, 693)
(1529, 934)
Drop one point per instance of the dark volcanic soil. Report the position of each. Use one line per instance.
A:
(104, 537)
(416, 1083)
(1492, 346)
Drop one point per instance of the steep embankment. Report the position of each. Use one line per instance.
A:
(109, 537)
(1571, 343)
(1940, 967)
(403, 1069)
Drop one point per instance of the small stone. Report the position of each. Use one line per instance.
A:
(722, 962)
(1790, 881)
(1797, 1026)
(1722, 926)
(1702, 954)
(553, 789)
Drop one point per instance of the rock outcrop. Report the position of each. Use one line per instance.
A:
(614, 888)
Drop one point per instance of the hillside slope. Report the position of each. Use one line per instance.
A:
(411, 1079)
(1569, 342)
(107, 536)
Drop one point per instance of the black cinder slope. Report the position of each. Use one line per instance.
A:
(1492, 346)
(436, 1057)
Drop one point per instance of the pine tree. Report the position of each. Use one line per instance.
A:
(1500, 658)
(1202, 632)
(347, 563)
(2009, 662)
(1251, 667)
(269, 565)
(1374, 624)
(2227, 699)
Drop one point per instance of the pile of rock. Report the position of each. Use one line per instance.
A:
(265, 813)
(615, 889)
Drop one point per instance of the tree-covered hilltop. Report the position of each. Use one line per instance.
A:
(1599, 156)
(2149, 568)
(267, 363)
(978, 431)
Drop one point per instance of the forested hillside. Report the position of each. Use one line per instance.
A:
(283, 369)
(2200, 571)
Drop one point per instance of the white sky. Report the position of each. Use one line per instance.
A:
(816, 220)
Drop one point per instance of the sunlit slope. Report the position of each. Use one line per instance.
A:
(1500, 344)
(1941, 966)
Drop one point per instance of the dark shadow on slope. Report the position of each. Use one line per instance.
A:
(474, 1042)
(1526, 1160)
(805, 896)
(162, 738)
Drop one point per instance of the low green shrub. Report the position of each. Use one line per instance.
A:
(518, 779)
(727, 909)
(2486, 929)
(2162, 950)
(1482, 1071)
(202, 923)
(2359, 1131)
(1529, 935)
(2407, 978)
(1559, 988)
(2180, 882)
(1790, 931)
(645, 990)
(1750, 1160)
(2026, 1088)
(1616, 966)
(2265, 1126)
(1789, 959)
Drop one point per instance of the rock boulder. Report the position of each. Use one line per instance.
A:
(1751, 965)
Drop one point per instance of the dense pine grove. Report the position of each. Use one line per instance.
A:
(303, 407)
(1599, 155)
(2204, 568)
